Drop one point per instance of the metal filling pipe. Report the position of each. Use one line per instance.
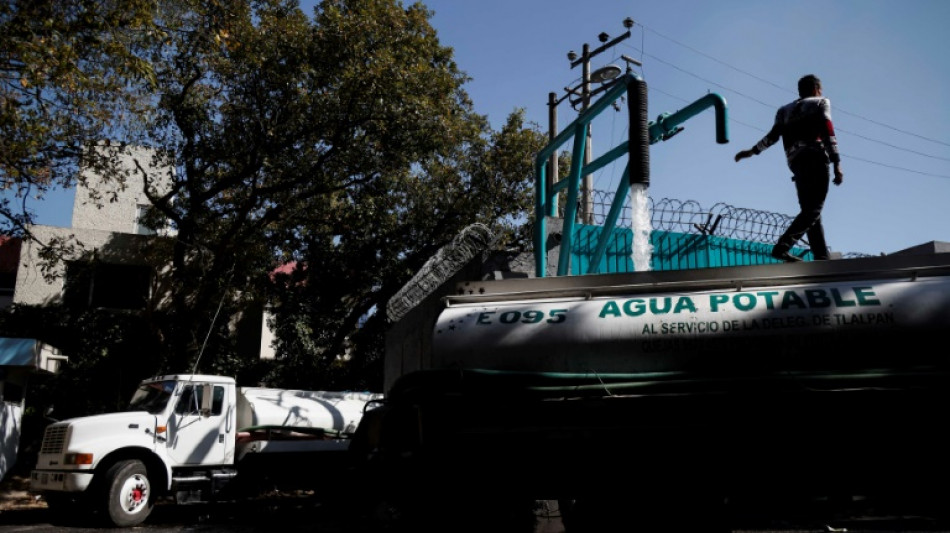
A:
(666, 124)
(639, 145)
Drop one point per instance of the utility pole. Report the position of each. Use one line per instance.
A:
(586, 211)
(552, 173)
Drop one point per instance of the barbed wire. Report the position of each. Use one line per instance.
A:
(667, 214)
(688, 216)
(471, 241)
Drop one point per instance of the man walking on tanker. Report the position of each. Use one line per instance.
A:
(809, 140)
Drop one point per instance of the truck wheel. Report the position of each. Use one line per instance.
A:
(129, 498)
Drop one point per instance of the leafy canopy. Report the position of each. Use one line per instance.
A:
(72, 74)
(341, 141)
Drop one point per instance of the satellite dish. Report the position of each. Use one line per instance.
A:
(605, 74)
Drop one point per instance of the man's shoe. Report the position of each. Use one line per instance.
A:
(784, 255)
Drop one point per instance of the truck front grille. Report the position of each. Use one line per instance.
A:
(54, 439)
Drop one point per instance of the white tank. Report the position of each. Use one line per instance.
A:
(339, 411)
(862, 322)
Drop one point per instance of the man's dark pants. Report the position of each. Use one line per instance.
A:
(812, 178)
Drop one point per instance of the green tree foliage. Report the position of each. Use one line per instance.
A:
(383, 234)
(342, 141)
(70, 72)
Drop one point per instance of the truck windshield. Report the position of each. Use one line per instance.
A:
(152, 397)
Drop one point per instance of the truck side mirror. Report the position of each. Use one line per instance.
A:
(207, 394)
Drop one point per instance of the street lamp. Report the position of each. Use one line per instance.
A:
(601, 75)
(605, 74)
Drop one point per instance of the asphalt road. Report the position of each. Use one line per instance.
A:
(290, 514)
(285, 514)
(22, 511)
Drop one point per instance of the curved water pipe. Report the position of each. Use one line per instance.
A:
(642, 134)
(667, 125)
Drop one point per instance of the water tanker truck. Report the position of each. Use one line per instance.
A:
(195, 438)
(656, 397)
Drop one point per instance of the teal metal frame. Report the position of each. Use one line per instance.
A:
(671, 251)
(663, 128)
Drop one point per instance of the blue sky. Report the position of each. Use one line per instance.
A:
(883, 64)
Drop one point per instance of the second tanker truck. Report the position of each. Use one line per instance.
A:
(656, 397)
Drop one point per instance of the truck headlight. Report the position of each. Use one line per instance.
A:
(78, 459)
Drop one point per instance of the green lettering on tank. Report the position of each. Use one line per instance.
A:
(744, 301)
(662, 306)
(817, 298)
(634, 307)
(790, 299)
(685, 303)
(657, 309)
(840, 301)
(865, 296)
(767, 295)
(610, 308)
(715, 300)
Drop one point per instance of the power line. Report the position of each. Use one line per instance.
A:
(893, 146)
(704, 54)
(684, 71)
(763, 80)
(757, 128)
(642, 52)
(689, 73)
(922, 173)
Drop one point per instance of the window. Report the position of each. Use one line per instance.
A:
(152, 397)
(190, 401)
(103, 285)
(140, 228)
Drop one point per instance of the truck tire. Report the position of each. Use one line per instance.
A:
(128, 493)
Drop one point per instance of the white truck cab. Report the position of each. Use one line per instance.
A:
(180, 435)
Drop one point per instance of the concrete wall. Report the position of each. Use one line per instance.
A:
(267, 336)
(103, 203)
(36, 284)
(104, 223)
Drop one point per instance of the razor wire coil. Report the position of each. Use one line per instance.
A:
(667, 214)
(472, 240)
